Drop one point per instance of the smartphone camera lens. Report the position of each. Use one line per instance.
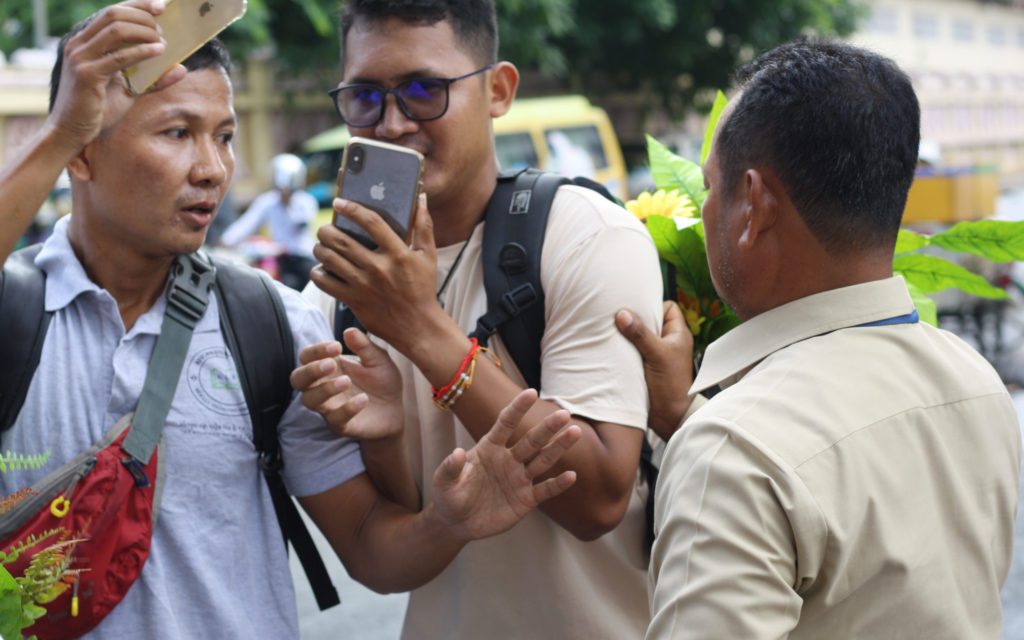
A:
(355, 158)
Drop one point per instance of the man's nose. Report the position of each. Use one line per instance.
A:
(210, 165)
(395, 123)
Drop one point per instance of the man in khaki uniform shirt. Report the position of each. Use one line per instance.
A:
(857, 475)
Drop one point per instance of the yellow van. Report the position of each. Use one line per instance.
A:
(565, 134)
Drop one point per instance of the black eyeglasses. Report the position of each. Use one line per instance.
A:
(420, 99)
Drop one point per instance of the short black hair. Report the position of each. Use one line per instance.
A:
(474, 21)
(841, 128)
(211, 55)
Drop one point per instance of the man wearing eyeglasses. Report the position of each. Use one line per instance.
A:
(425, 75)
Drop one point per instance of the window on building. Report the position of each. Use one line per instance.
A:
(883, 20)
(996, 36)
(926, 26)
(963, 30)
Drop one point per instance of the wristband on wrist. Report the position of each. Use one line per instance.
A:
(447, 395)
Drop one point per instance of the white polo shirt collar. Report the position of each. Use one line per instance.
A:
(66, 280)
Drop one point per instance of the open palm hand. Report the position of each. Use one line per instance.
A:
(488, 489)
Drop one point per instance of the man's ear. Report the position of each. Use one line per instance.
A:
(760, 212)
(80, 167)
(504, 82)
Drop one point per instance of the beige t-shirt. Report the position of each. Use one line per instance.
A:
(537, 581)
(848, 482)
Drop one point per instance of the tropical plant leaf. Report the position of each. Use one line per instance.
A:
(908, 241)
(670, 171)
(995, 240)
(684, 249)
(709, 131)
(930, 274)
(924, 304)
(317, 16)
(10, 605)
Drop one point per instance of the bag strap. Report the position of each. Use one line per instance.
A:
(188, 296)
(515, 223)
(251, 313)
(23, 324)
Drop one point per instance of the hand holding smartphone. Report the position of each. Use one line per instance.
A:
(384, 178)
(186, 25)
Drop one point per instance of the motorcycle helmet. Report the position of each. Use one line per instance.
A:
(289, 172)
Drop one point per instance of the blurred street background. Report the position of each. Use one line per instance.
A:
(597, 78)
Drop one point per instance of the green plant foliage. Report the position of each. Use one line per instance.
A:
(908, 241)
(713, 117)
(10, 606)
(925, 306)
(995, 240)
(684, 250)
(18, 462)
(671, 52)
(670, 171)
(931, 274)
(29, 542)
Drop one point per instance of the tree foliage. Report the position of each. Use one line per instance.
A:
(674, 49)
(669, 49)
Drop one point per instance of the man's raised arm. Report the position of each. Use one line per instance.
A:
(91, 96)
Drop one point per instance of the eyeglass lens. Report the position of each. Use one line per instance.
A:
(419, 99)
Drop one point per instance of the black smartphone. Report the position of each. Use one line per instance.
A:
(384, 178)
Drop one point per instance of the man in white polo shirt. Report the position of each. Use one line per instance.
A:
(857, 475)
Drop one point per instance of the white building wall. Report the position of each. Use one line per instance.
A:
(966, 59)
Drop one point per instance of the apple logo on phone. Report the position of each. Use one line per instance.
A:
(205, 8)
(377, 191)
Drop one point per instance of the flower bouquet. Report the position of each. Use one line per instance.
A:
(672, 217)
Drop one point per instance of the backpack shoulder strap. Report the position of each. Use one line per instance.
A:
(23, 324)
(252, 314)
(515, 222)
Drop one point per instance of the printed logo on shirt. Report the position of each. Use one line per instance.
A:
(213, 381)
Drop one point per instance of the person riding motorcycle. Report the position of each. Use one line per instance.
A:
(287, 211)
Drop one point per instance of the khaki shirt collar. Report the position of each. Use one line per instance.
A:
(730, 357)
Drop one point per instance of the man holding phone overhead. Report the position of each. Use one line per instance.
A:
(148, 174)
(425, 75)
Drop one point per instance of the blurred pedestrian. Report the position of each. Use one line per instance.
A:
(287, 212)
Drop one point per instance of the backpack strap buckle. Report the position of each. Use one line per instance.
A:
(519, 299)
(189, 291)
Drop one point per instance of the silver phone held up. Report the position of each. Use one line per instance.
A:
(384, 178)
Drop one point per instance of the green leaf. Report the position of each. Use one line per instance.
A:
(317, 16)
(31, 613)
(908, 241)
(670, 171)
(684, 249)
(10, 605)
(931, 274)
(709, 131)
(925, 305)
(996, 240)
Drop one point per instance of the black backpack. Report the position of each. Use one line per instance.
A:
(251, 313)
(516, 221)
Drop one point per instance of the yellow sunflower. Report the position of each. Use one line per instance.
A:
(668, 204)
